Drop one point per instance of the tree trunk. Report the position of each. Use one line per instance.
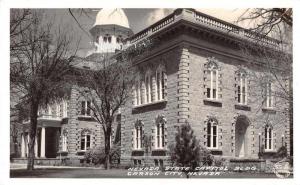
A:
(107, 148)
(32, 134)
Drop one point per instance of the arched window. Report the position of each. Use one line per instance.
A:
(85, 108)
(268, 137)
(148, 84)
(242, 87)
(160, 132)
(212, 133)
(138, 135)
(137, 92)
(119, 39)
(85, 143)
(269, 100)
(107, 38)
(212, 76)
(160, 83)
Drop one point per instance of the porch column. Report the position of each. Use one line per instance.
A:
(36, 147)
(22, 145)
(43, 142)
(27, 145)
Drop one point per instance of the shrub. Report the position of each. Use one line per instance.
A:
(282, 152)
(95, 155)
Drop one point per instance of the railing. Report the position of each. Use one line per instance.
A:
(231, 28)
(153, 28)
(204, 20)
(49, 116)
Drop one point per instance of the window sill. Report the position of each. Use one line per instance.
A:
(85, 118)
(137, 152)
(269, 110)
(215, 151)
(62, 153)
(81, 152)
(159, 152)
(242, 107)
(149, 107)
(270, 151)
(159, 149)
(212, 102)
(149, 104)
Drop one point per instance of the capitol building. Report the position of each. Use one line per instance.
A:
(196, 73)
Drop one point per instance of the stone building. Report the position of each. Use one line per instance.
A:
(195, 71)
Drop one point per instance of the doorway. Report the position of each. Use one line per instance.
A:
(241, 136)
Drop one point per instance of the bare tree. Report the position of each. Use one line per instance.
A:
(268, 20)
(41, 58)
(276, 60)
(108, 88)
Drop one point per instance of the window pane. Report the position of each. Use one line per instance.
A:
(266, 137)
(162, 85)
(158, 85)
(140, 93)
(82, 143)
(214, 141)
(88, 111)
(88, 141)
(137, 94)
(83, 108)
(209, 128)
(151, 87)
(214, 77)
(208, 141)
(239, 94)
(208, 92)
(162, 134)
(214, 93)
(214, 130)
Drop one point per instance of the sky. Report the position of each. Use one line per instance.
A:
(139, 19)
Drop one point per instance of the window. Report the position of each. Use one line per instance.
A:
(160, 135)
(137, 94)
(268, 138)
(212, 134)
(143, 90)
(61, 110)
(148, 87)
(269, 101)
(85, 141)
(86, 108)
(242, 88)
(107, 39)
(138, 137)
(160, 84)
(119, 39)
(212, 80)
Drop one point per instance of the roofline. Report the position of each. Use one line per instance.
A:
(204, 20)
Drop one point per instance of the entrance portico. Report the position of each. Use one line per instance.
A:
(46, 140)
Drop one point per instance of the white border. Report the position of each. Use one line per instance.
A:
(4, 82)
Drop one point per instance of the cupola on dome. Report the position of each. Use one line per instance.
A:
(112, 16)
